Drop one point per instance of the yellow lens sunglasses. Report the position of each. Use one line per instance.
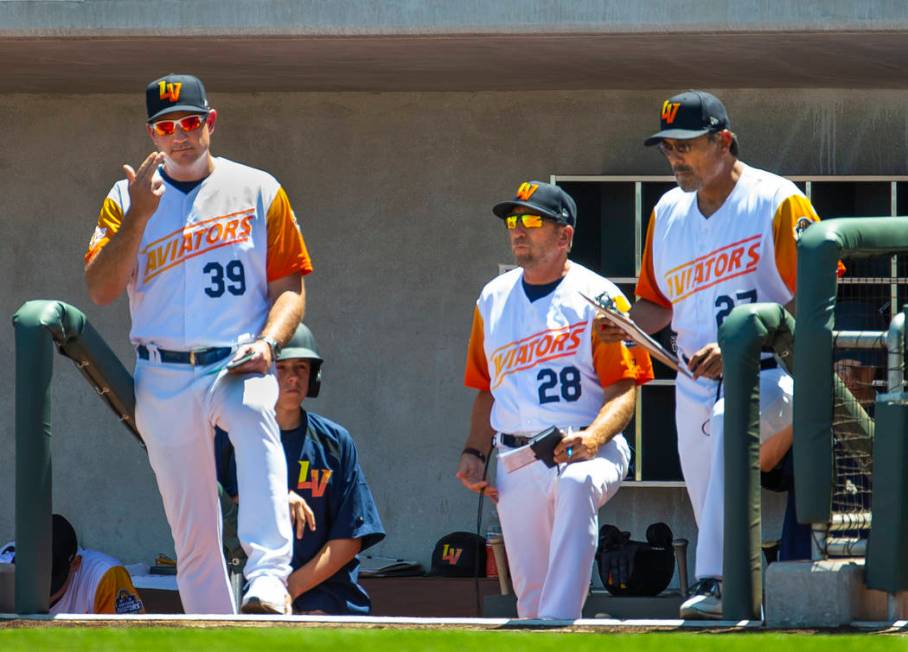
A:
(529, 221)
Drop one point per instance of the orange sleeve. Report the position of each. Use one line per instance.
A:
(647, 288)
(792, 217)
(109, 221)
(287, 252)
(614, 362)
(477, 371)
(116, 594)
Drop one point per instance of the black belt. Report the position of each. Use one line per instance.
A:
(516, 441)
(197, 358)
(513, 441)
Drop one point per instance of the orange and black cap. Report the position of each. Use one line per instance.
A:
(174, 93)
(550, 200)
(690, 114)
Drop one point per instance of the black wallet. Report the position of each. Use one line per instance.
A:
(544, 443)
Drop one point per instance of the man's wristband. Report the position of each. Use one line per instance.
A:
(272, 344)
(474, 453)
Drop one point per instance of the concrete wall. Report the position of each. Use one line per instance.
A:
(393, 191)
(395, 17)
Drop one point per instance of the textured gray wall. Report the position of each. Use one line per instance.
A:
(395, 17)
(393, 191)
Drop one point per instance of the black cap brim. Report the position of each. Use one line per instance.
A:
(506, 208)
(677, 134)
(178, 107)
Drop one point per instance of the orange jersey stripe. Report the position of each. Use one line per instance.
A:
(700, 288)
(713, 253)
(194, 225)
(536, 336)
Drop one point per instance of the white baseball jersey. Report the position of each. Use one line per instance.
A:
(206, 258)
(544, 368)
(540, 359)
(99, 586)
(701, 268)
(201, 280)
(745, 252)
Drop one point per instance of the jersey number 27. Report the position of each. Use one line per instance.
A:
(726, 304)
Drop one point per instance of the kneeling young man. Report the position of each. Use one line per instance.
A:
(332, 509)
(535, 363)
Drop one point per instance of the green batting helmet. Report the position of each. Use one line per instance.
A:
(302, 346)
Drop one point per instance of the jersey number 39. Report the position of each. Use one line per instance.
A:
(235, 282)
(554, 387)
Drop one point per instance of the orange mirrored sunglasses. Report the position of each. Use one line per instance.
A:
(528, 221)
(187, 123)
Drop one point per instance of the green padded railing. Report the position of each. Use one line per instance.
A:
(747, 331)
(819, 250)
(887, 549)
(39, 325)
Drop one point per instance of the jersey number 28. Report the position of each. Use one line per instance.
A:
(554, 387)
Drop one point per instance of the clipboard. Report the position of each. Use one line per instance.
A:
(607, 310)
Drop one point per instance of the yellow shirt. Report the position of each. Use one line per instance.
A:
(99, 586)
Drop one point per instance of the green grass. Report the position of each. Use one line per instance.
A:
(301, 639)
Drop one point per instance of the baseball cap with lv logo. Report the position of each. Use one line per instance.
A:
(690, 114)
(173, 93)
(548, 199)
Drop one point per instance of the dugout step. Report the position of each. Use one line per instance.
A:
(662, 606)
(826, 593)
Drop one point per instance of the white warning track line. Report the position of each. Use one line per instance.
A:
(898, 626)
(392, 621)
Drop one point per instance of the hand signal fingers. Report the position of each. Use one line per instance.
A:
(310, 516)
(300, 516)
(130, 173)
(148, 166)
(295, 521)
(151, 163)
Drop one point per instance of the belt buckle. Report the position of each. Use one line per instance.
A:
(193, 356)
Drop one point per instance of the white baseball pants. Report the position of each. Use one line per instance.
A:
(699, 419)
(177, 408)
(550, 522)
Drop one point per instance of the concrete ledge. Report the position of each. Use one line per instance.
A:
(827, 593)
(599, 604)
(104, 19)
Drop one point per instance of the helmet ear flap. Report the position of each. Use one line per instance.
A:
(315, 380)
